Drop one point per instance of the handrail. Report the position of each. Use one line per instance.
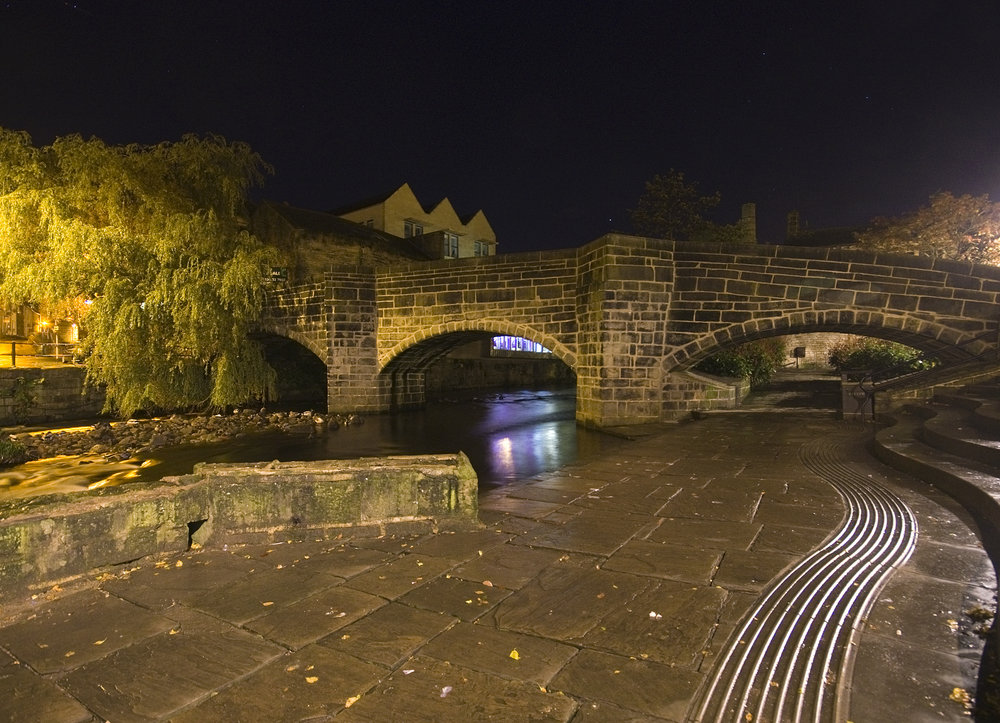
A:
(903, 372)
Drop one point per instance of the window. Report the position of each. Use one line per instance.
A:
(450, 245)
(412, 228)
(517, 344)
(481, 248)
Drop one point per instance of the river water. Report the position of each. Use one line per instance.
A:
(508, 437)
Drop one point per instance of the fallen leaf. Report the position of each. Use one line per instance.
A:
(311, 679)
(100, 642)
(268, 603)
(487, 583)
(445, 690)
(351, 701)
(70, 653)
(515, 655)
(179, 563)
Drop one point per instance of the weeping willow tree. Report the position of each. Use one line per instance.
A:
(154, 240)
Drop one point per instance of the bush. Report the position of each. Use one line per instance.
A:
(12, 453)
(755, 361)
(867, 353)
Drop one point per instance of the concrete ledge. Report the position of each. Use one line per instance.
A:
(51, 539)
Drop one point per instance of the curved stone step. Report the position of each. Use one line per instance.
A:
(975, 486)
(953, 430)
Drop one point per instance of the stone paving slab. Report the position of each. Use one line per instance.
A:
(26, 697)
(790, 539)
(900, 676)
(566, 600)
(167, 673)
(459, 546)
(309, 619)
(741, 570)
(427, 689)
(251, 596)
(400, 575)
(465, 599)
(158, 586)
(78, 629)
(668, 622)
(715, 534)
(657, 559)
(501, 652)
(592, 532)
(511, 566)
(390, 634)
(311, 684)
(638, 685)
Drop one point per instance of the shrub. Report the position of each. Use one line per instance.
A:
(867, 353)
(755, 361)
(12, 453)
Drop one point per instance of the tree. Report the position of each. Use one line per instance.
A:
(153, 239)
(965, 228)
(672, 208)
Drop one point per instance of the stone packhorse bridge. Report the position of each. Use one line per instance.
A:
(629, 315)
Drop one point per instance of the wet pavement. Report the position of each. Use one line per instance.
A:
(605, 591)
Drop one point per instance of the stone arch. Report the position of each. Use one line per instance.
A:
(928, 336)
(301, 372)
(461, 331)
(310, 341)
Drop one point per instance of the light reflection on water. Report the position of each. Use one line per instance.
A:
(508, 438)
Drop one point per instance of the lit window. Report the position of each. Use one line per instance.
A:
(450, 245)
(412, 228)
(518, 344)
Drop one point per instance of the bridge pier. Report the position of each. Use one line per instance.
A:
(353, 383)
(624, 286)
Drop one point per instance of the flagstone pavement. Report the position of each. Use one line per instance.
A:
(600, 592)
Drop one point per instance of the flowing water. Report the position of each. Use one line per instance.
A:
(508, 437)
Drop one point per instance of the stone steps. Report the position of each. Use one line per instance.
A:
(953, 443)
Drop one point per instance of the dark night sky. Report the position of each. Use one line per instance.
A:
(549, 116)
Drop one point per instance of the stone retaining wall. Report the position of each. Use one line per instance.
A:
(61, 395)
(51, 539)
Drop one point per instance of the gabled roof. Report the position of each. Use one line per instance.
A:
(321, 222)
(372, 201)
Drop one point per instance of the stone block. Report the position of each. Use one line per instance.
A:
(48, 539)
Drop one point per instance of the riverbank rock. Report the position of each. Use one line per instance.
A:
(134, 437)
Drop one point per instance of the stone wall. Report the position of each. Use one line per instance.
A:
(451, 374)
(47, 540)
(817, 348)
(60, 395)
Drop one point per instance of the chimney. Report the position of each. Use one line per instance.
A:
(792, 230)
(748, 222)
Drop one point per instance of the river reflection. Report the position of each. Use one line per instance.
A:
(508, 437)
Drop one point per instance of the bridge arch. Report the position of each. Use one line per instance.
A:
(427, 344)
(930, 337)
(310, 341)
